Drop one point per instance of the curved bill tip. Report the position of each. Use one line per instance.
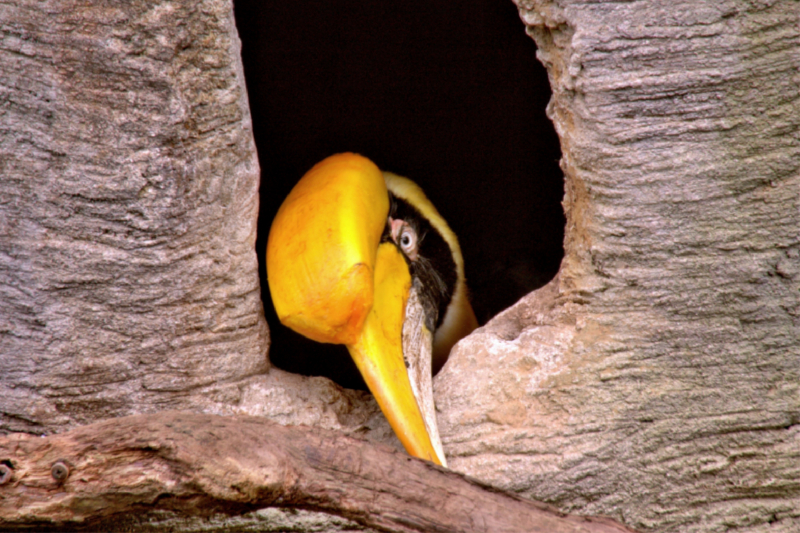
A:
(378, 353)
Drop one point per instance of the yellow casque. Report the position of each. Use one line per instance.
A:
(322, 248)
(332, 281)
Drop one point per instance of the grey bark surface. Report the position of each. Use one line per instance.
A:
(128, 277)
(657, 379)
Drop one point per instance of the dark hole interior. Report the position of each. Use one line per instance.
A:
(449, 94)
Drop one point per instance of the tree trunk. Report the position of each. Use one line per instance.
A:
(657, 379)
(128, 278)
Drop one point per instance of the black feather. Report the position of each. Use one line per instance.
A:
(434, 270)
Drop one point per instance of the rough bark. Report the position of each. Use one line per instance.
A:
(128, 277)
(185, 461)
(657, 379)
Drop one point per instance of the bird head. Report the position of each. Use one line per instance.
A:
(346, 248)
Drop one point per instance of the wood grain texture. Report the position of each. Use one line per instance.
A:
(128, 277)
(208, 464)
(657, 380)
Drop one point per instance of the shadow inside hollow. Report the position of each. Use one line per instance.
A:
(451, 96)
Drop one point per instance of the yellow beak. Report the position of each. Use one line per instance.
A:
(332, 281)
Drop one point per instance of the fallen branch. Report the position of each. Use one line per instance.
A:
(202, 464)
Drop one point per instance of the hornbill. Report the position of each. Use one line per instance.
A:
(346, 249)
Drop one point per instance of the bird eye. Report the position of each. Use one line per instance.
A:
(408, 241)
